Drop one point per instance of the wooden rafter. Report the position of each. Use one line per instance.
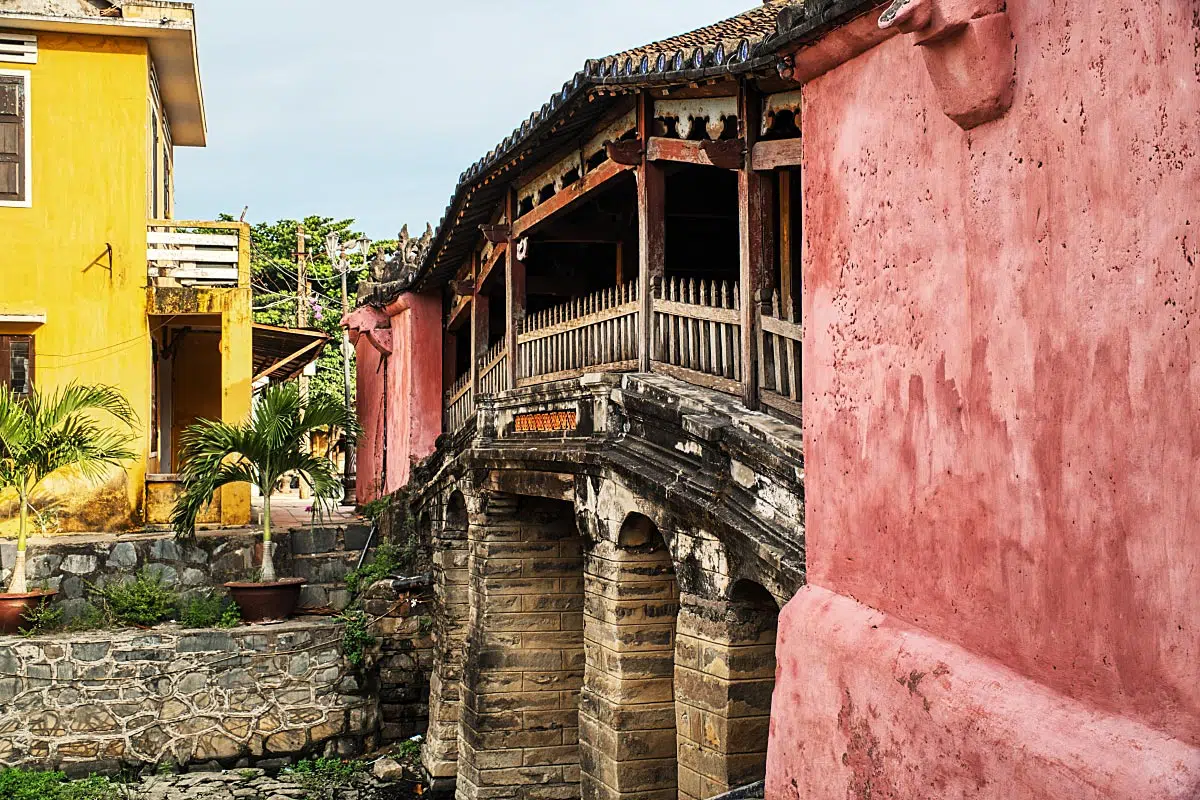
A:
(568, 197)
(777, 153)
(724, 153)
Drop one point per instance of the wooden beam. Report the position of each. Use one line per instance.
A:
(568, 197)
(776, 154)
(453, 320)
(652, 199)
(725, 153)
(753, 222)
(514, 287)
(486, 270)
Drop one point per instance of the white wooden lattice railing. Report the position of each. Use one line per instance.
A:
(697, 330)
(780, 358)
(598, 331)
(460, 403)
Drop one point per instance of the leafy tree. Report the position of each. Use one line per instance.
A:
(270, 444)
(41, 434)
(274, 278)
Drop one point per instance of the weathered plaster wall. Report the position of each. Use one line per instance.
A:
(1001, 403)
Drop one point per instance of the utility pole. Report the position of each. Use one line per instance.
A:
(302, 318)
(337, 256)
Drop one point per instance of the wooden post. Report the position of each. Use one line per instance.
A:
(479, 325)
(514, 287)
(785, 244)
(651, 195)
(753, 224)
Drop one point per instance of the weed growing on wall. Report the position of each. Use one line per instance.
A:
(386, 561)
(356, 637)
(40, 619)
(145, 600)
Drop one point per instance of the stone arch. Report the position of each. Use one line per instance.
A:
(627, 732)
(725, 679)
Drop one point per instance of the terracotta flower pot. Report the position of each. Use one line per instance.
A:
(266, 601)
(14, 606)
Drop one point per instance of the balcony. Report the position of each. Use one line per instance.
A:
(204, 254)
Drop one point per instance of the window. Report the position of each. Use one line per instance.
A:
(16, 363)
(14, 138)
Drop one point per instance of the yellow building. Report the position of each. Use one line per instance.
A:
(97, 282)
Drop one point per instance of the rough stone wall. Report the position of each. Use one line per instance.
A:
(104, 700)
(403, 660)
(69, 563)
(451, 604)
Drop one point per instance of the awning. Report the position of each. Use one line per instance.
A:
(282, 353)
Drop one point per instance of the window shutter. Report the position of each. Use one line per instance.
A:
(12, 138)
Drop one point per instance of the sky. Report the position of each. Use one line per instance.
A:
(371, 109)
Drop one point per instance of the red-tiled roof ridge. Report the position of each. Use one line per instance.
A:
(753, 24)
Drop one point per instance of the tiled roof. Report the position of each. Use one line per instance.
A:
(740, 44)
(750, 27)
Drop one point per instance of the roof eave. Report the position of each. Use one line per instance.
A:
(172, 47)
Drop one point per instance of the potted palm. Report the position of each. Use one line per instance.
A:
(41, 434)
(260, 451)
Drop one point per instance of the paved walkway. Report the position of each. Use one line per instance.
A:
(289, 511)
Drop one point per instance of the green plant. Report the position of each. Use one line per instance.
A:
(144, 600)
(373, 509)
(41, 618)
(409, 748)
(91, 618)
(209, 611)
(93, 787)
(28, 784)
(271, 443)
(41, 434)
(356, 637)
(322, 777)
(386, 560)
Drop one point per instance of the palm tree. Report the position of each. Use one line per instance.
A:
(270, 444)
(41, 434)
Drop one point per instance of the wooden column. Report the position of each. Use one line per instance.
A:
(480, 325)
(786, 303)
(754, 236)
(651, 195)
(514, 287)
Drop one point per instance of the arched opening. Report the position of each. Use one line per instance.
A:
(752, 658)
(456, 512)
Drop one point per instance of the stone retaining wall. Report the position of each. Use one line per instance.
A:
(107, 699)
(69, 563)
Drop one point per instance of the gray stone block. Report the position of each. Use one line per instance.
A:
(42, 566)
(356, 537)
(166, 550)
(313, 596)
(206, 641)
(306, 541)
(122, 556)
(79, 564)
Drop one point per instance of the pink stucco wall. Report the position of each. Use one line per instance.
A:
(370, 333)
(1002, 419)
(399, 373)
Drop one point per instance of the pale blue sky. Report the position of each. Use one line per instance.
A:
(371, 109)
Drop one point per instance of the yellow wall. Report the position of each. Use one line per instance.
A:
(89, 118)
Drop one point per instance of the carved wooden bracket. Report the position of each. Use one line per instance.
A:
(626, 151)
(969, 52)
(496, 234)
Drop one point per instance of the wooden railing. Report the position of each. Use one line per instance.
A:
(460, 403)
(197, 253)
(493, 370)
(593, 333)
(779, 362)
(697, 332)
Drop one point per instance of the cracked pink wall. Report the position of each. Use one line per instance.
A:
(1002, 423)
